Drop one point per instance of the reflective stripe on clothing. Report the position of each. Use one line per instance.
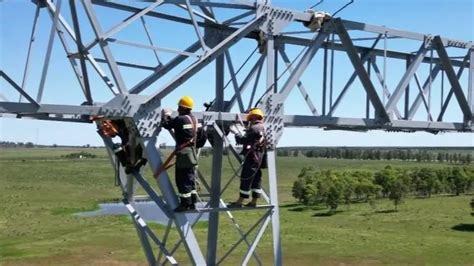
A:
(190, 126)
(257, 190)
(185, 195)
(245, 192)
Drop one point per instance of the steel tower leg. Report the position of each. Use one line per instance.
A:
(272, 178)
(217, 147)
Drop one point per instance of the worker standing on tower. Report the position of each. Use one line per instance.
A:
(189, 136)
(253, 142)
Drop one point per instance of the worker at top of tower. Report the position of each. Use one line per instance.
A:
(253, 142)
(189, 136)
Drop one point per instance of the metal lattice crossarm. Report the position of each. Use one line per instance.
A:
(281, 56)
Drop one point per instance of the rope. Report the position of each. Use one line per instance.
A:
(117, 181)
(287, 68)
(318, 3)
(342, 8)
(291, 64)
(235, 74)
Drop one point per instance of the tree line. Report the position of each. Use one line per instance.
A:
(377, 154)
(314, 187)
(10, 144)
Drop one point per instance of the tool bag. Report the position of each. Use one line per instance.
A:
(186, 156)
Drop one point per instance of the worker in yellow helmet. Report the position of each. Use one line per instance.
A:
(253, 142)
(189, 136)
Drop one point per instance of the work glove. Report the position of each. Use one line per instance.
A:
(238, 138)
(166, 113)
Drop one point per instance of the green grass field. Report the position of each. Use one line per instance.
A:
(40, 191)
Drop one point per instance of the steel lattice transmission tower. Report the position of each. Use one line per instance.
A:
(269, 37)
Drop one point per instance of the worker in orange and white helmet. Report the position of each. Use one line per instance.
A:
(253, 142)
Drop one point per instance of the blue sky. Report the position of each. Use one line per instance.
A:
(453, 19)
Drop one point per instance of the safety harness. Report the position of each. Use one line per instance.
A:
(260, 145)
(192, 142)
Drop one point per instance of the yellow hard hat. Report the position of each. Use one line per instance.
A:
(186, 102)
(254, 112)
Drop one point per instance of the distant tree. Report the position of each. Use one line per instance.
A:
(403, 155)
(350, 154)
(469, 171)
(397, 191)
(295, 153)
(329, 189)
(385, 178)
(364, 186)
(79, 155)
(348, 188)
(333, 196)
(305, 171)
(451, 158)
(468, 158)
(425, 156)
(455, 157)
(377, 155)
(439, 158)
(298, 189)
(371, 155)
(426, 181)
(459, 180)
(472, 206)
(326, 153)
(443, 176)
(303, 188)
(419, 157)
(365, 155)
(29, 145)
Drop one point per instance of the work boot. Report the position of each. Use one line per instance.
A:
(182, 208)
(251, 205)
(129, 169)
(194, 200)
(234, 205)
(141, 162)
(184, 205)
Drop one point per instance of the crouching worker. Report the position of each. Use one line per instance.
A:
(253, 142)
(189, 137)
(124, 150)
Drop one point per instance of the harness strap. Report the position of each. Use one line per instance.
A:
(194, 124)
(192, 142)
